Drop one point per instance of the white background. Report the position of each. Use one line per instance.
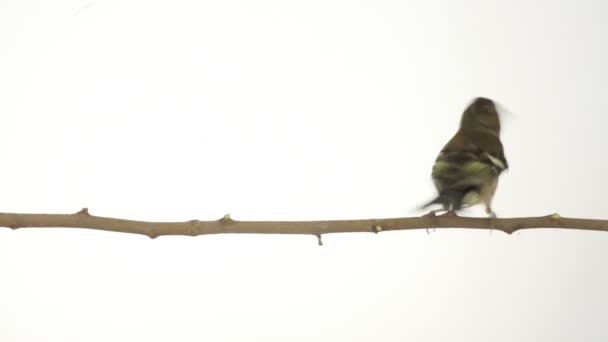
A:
(297, 110)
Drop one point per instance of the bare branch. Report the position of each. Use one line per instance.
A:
(83, 219)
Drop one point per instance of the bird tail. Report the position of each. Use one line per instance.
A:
(436, 200)
(450, 200)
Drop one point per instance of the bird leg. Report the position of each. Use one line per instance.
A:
(491, 216)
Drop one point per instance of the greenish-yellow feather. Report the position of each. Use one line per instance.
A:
(471, 198)
(475, 167)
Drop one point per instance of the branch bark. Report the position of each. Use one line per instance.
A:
(83, 219)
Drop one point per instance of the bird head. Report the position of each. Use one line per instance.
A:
(481, 114)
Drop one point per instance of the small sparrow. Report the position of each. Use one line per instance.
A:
(466, 170)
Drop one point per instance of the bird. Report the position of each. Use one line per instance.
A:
(467, 168)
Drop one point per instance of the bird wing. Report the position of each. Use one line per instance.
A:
(478, 145)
